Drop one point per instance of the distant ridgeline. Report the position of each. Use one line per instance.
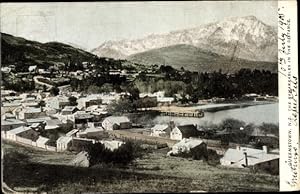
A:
(196, 59)
(23, 53)
(176, 69)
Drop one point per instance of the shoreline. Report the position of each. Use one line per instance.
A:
(234, 105)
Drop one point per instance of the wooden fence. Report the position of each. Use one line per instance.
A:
(29, 142)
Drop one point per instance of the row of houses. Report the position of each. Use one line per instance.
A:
(241, 157)
(29, 136)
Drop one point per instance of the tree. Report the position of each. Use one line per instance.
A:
(183, 99)
(73, 101)
(107, 88)
(270, 128)
(232, 124)
(44, 88)
(42, 103)
(133, 92)
(54, 91)
(93, 89)
(123, 105)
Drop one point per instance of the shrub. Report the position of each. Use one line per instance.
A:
(125, 154)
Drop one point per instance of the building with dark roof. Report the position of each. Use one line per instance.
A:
(184, 131)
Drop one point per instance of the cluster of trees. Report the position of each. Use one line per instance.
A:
(240, 132)
(195, 85)
(106, 83)
(128, 103)
(18, 85)
(124, 155)
(208, 155)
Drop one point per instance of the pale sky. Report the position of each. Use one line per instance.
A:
(89, 24)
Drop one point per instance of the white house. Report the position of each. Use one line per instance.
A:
(5, 69)
(68, 110)
(9, 124)
(243, 156)
(91, 132)
(88, 101)
(37, 120)
(185, 145)
(109, 98)
(5, 93)
(8, 116)
(116, 122)
(160, 130)
(160, 96)
(63, 143)
(53, 124)
(32, 68)
(57, 102)
(184, 131)
(81, 118)
(112, 144)
(31, 113)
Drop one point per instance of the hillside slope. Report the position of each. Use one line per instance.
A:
(196, 59)
(22, 52)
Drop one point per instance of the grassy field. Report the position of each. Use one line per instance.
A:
(36, 170)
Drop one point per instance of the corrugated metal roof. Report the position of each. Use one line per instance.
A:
(11, 122)
(254, 156)
(19, 130)
(159, 127)
(117, 119)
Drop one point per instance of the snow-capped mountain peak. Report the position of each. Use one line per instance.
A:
(242, 37)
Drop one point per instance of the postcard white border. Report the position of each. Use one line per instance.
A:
(288, 95)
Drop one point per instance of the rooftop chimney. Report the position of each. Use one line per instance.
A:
(172, 124)
(246, 159)
(265, 149)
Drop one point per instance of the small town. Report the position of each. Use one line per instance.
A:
(62, 121)
(102, 98)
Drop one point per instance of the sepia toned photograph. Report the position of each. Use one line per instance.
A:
(127, 97)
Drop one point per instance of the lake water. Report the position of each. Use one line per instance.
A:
(258, 114)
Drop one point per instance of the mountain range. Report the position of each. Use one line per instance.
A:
(235, 39)
(196, 59)
(229, 45)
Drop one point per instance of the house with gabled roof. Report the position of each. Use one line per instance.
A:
(90, 100)
(184, 131)
(116, 122)
(187, 145)
(160, 130)
(242, 157)
(57, 102)
(92, 132)
(31, 113)
(9, 124)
